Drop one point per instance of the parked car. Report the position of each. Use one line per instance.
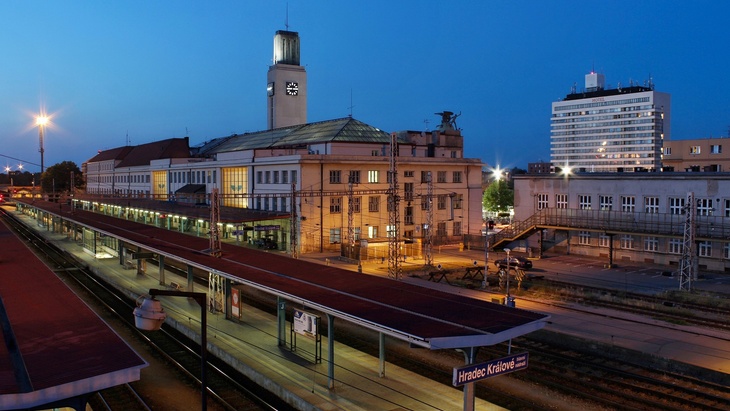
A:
(515, 262)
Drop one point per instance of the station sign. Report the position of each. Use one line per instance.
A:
(267, 227)
(476, 372)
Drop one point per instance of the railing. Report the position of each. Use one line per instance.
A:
(613, 222)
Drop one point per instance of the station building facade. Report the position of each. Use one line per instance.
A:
(335, 173)
(641, 216)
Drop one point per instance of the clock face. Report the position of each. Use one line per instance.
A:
(292, 88)
(270, 89)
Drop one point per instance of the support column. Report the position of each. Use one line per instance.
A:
(189, 286)
(470, 355)
(281, 320)
(381, 355)
(330, 351)
(162, 269)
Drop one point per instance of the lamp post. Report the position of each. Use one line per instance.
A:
(41, 122)
(149, 316)
(509, 301)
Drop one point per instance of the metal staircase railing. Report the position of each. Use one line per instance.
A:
(708, 228)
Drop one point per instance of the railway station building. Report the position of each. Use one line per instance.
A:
(316, 185)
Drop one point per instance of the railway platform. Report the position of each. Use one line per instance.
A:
(253, 341)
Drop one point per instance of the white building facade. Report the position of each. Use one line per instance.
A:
(601, 129)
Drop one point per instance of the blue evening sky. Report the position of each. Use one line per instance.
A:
(152, 70)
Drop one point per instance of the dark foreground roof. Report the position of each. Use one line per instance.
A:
(55, 350)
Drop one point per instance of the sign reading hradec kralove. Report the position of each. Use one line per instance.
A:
(476, 372)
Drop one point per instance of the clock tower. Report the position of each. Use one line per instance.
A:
(286, 90)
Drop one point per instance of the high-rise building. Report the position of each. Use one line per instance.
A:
(286, 90)
(620, 129)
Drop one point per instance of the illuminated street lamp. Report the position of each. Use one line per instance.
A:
(509, 300)
(149, 316)
(41, 122)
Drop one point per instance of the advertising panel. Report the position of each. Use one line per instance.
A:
(305, 323)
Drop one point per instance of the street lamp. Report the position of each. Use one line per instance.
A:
(149, 316)
(510, 301)
(41, 122)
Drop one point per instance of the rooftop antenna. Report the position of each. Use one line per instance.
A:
(286, 22)
(129, 143)
(425, 121)
(351, 105)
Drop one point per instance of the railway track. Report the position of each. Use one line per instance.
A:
(665, 308)
(227, 388)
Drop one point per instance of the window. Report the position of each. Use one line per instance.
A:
(704, 206)
(335, 205)
(284, 177)
(373, 204)
(667, 151)
(267, 177)
(283, 203)
(276, 177)
(628, 204)
(356, 201)
(675, 246)
(294, 176)
(408, 216)
(441, 177)
(726, 251)
(542, 201)
(457, 228)
(373, 176)
(584, 237)
(715, 149)
(408, 173)
(651, 244)
(584, 202)
(357, 233)
(354, 177)
(651, 205)
(374, 153)
(456, 177)
(604, 240)
(605, 203)
(441, 229)
(676, 205)
(335, 176)
(694, 150)
(408, 191)
(727, 208)
(372, 231)
(561, 201)
(259, 177)
(458, 199)
(704, 248)
(627, 241)
(425, 176)
(390, 231)
(441, 201)
(266, 203)
(335, 236)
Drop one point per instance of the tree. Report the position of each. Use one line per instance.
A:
(498, 197)
(57, 178)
